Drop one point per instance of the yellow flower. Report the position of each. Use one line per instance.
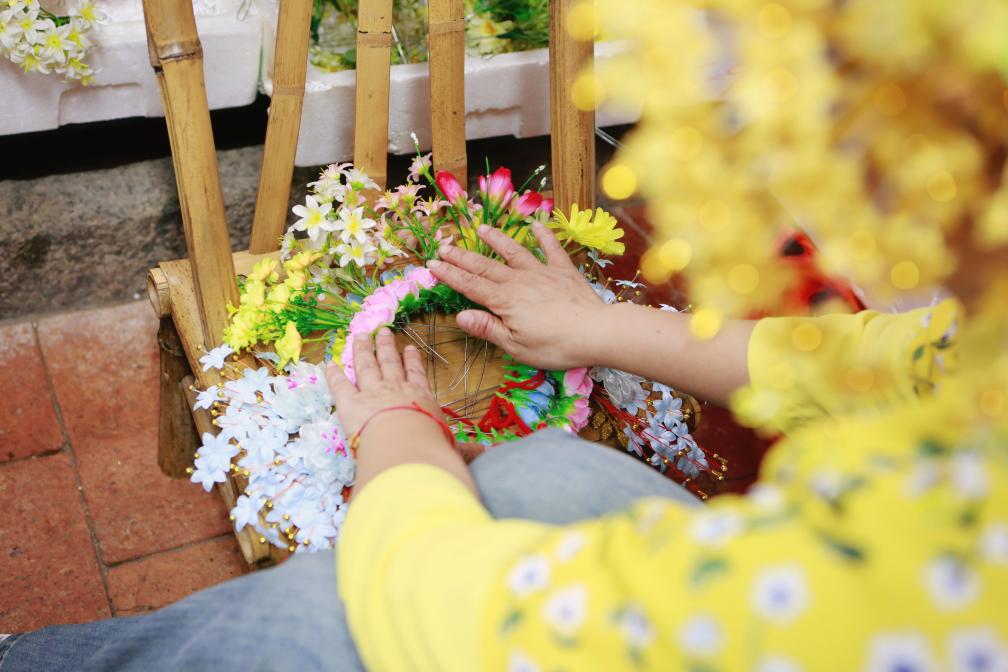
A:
(296, 280)
(336, 349)
(278, 297)
(265, 270)
(288, 346)
(470, 240)
(599, 233)
(254, 294)
(301, 261)
(244, 328)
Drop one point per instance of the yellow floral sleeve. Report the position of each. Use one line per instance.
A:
(805, 368)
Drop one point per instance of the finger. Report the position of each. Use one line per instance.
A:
(471, 286)
(388, 357)
(551, 247)
(510, 251)
(416, 372)
(340, 387)
(482, 324)
(476, 264)
(364, 363)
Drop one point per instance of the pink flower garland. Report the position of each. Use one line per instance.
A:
(379, 310)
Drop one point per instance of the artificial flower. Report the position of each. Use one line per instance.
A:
(311, 216)
(598, 232)
(288, 346)
(450, 187)
(497, 190)
(215, 358)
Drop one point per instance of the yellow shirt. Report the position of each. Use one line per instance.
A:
(871, 542)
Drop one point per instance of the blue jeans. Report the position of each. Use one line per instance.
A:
(291, 617)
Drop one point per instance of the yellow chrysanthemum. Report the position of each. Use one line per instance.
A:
(598, 232)
(265, 270)
(288, 346)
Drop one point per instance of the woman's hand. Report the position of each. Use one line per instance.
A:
(382, 382)
(394, 437)
(545, 315)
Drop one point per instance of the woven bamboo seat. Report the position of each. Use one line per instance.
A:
(191, 295)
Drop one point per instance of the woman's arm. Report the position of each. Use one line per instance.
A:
(546, 315)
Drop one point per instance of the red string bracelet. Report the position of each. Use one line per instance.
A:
(354, 441)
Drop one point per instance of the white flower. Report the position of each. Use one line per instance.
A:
(89, 13)
(359, 181)
(766, 497)
(353, 225)
(355, 252)
(565, 609)
(636, 627)
(667, 308)
(55, 43)
(714, 528)
(217, 451)
(700, 636)
(312, 216)
(951, 583)
(530, 575)
(207, 398)
(206, 474)
(969, 476)
(519, 662)
(30, 28)
(776, 664)
(780, 593)
(977, 650)
(246, 511)
(215, 358)
(569, 545)
(994, 543)
(419, 165)
(899, 652)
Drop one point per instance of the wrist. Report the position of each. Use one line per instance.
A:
(399, 425)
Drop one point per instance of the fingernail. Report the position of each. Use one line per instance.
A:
(385, 331)
(362, 338)
(433, 263)
(464, 319)
(483, 228)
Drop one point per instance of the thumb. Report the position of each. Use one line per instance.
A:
(482, 324)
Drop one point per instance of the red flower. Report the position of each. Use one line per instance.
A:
(527, 203)
(450, 187)
(500, 190)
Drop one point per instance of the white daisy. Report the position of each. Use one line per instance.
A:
(714, 528)
(977, 650)
(215, 358)
(636, 627)
(899, 652)
(951, 583)
(994, 543)
(700, 636)
(519, 662)
(531, 574)
(969, 475)
(780, 594)
(565, 609)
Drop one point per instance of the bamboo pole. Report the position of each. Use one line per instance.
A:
(447, 84)
(177, 59)
(374, 61)
(573, 130)
(177, 437)
(290, 65)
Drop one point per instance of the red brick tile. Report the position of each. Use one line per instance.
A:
(104, 367)
(28, 423)
(48, 570)
(160, 579)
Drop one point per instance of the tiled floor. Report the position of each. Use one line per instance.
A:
(91, 528)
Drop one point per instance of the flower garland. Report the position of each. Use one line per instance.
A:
(39, 41)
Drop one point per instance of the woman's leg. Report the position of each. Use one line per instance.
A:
(290, 617)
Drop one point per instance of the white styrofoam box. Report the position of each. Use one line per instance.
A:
(506, 94)
(124, 83)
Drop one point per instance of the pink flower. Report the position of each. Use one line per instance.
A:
(527, 203)
(450, 187)
(577, 381)
(422, 277)
(500, 190)
(579, 418)
(546, 207)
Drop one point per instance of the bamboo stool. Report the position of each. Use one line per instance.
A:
(191, 295)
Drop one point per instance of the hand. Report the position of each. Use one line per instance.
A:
(544, 315)
(382, 382)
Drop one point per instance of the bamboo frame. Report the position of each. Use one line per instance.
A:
(572, 143)
(446, 43)
(177, 58)
(290, 65)
(371, 96)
